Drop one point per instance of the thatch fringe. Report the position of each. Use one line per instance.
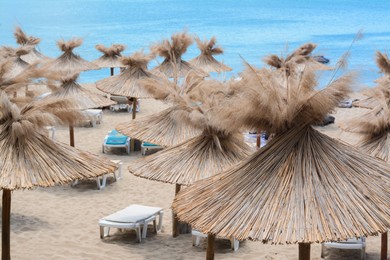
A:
(130, 82)
(111, 56)
(193, 160)
(23, 39)
(205, 60)
(82, 97)
(68, 63)
(30, 158)
(303, 186)
(167, 128)
(172, 51)
(383, 62)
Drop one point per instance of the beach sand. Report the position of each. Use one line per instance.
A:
(62, 222)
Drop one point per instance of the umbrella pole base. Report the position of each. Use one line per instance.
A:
(304, 251)
(210, 247)
(6, 226)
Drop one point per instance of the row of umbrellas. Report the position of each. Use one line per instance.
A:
(302, 187)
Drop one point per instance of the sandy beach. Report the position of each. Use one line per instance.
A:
(62, 222)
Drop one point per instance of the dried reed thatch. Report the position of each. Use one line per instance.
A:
(167, 128)
(205, 60)
(31, 158)
(83, 97)
(68, 63)
(171, 126)
(195, 159)
(14, 65)
(127, 83)
(201, 156)
(173, 66)
(24, 40)
(302, 186)
(383, 83)
(111, 56)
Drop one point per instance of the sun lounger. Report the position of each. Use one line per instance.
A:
(135, 217)
(101, 181)
(95, 116)
(52, 131)
(149, 148)
(114, 139)
(352, 243)
(196, 236)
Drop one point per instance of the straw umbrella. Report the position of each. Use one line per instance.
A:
(83, 98)
(30, 158)
(68, 63)
(111, 56)
(205, 60)
(15, 64)
(24, 40)
(302, 187)
(373, 95)
(173, 65)
(127, 83)
(374, 126)
(170, 126)
(199, 157)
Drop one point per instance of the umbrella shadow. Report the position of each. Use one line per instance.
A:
(23, 223)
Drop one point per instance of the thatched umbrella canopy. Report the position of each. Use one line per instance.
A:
(173, 66)
(16, 65)
(82, 97)
(111, 56)
(302, 187)
(24, 40)
(171, 126)
(205, 60)
(373, 95)
(199, 157)
(30, 158)
(68, 63)
(127, 83)
(374, 125)
(166, 128)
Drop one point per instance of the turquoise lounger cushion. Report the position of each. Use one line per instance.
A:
(114, 137)
(149, 144)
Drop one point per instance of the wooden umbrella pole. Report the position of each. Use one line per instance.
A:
(134, 107)
(112, 71)
(304, 251)
(71, 135)
(6, 225)
(210, 247)
(384, 246)
(175, 221)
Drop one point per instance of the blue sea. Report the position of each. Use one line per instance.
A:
(246, 29)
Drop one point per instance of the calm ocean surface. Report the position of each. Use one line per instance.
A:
(252, 29)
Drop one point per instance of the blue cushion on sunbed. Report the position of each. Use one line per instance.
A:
(114, 137)
(149, 144)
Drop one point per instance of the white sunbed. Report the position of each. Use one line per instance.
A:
(135, 217)
(197, 235)
(352, 243)
(101, 181)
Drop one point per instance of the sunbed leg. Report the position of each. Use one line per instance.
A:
(154, 226)
(103, 233)
(144, 229)
(160, 219)
(138, 231)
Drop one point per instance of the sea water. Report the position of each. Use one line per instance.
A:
(247, 29)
